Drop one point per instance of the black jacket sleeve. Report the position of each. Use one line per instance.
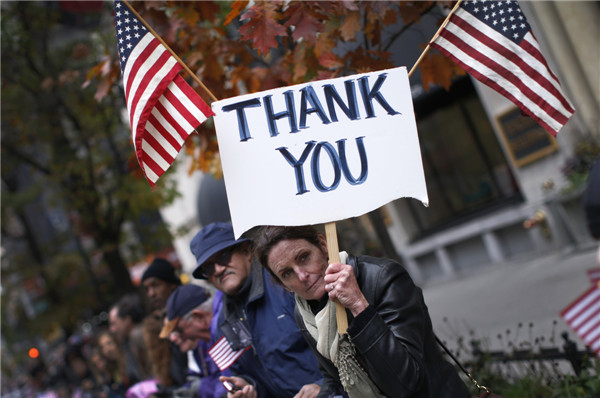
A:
(390, 335)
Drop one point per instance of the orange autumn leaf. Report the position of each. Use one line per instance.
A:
(236, 8)
(350, 26)
(437, 69)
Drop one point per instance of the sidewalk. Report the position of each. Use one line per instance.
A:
(496, 299)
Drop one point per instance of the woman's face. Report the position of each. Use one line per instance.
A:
(300, 266)
(108, 347)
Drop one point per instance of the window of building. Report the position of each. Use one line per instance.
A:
(466, 171)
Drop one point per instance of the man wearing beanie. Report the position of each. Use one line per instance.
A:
(256, 320)
(159, 280)
(169, 364)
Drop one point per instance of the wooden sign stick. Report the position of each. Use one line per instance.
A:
(334, 257)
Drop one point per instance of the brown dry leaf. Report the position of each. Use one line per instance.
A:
(350, 26)
(236, 8)
(411, 11)
(300, 65)
(437, 69)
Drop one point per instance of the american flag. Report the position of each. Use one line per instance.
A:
(594, 275)
(222, 354)
(583, 315)
(493, 42)
(163, 108)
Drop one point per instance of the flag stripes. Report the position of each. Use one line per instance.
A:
(163, 108)
(222, 354)
(594, 275)
(512, 65)
(583, 315)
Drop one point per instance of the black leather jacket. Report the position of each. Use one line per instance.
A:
(393, 337)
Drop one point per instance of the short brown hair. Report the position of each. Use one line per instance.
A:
(268, 236)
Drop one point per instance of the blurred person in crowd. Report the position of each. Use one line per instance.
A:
(116, 380)
(99, 369)
(125, 321)
(189, 315)
(256, 316)
(168, 363)
(389, 349)
(78, 372)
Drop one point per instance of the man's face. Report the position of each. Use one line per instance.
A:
(183, 345)
(118, 326)
(158, 291)
(231, 268)
(190, 329)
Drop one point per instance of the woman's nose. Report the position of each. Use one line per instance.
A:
(302, 276)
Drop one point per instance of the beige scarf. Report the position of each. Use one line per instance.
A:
(337, 347)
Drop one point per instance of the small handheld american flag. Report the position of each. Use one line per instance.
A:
(222, 354)
(583, 315)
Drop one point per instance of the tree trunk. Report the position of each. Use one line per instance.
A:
(118, 270)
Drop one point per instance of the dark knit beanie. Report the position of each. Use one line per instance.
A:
(163, 270)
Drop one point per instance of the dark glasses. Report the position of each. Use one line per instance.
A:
(222, 258)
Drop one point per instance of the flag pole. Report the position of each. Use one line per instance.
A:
(212, 96)
(433, 39)
(334, 257)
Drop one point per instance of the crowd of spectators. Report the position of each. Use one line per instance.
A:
(120, 356)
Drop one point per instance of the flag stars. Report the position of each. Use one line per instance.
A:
(513, 27)
(515, 35)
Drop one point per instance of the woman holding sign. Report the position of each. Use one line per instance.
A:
(391, 350)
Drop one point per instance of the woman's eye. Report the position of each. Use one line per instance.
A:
(285, 274)
(304, 257)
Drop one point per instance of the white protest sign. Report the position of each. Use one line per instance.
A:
(321, 151)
